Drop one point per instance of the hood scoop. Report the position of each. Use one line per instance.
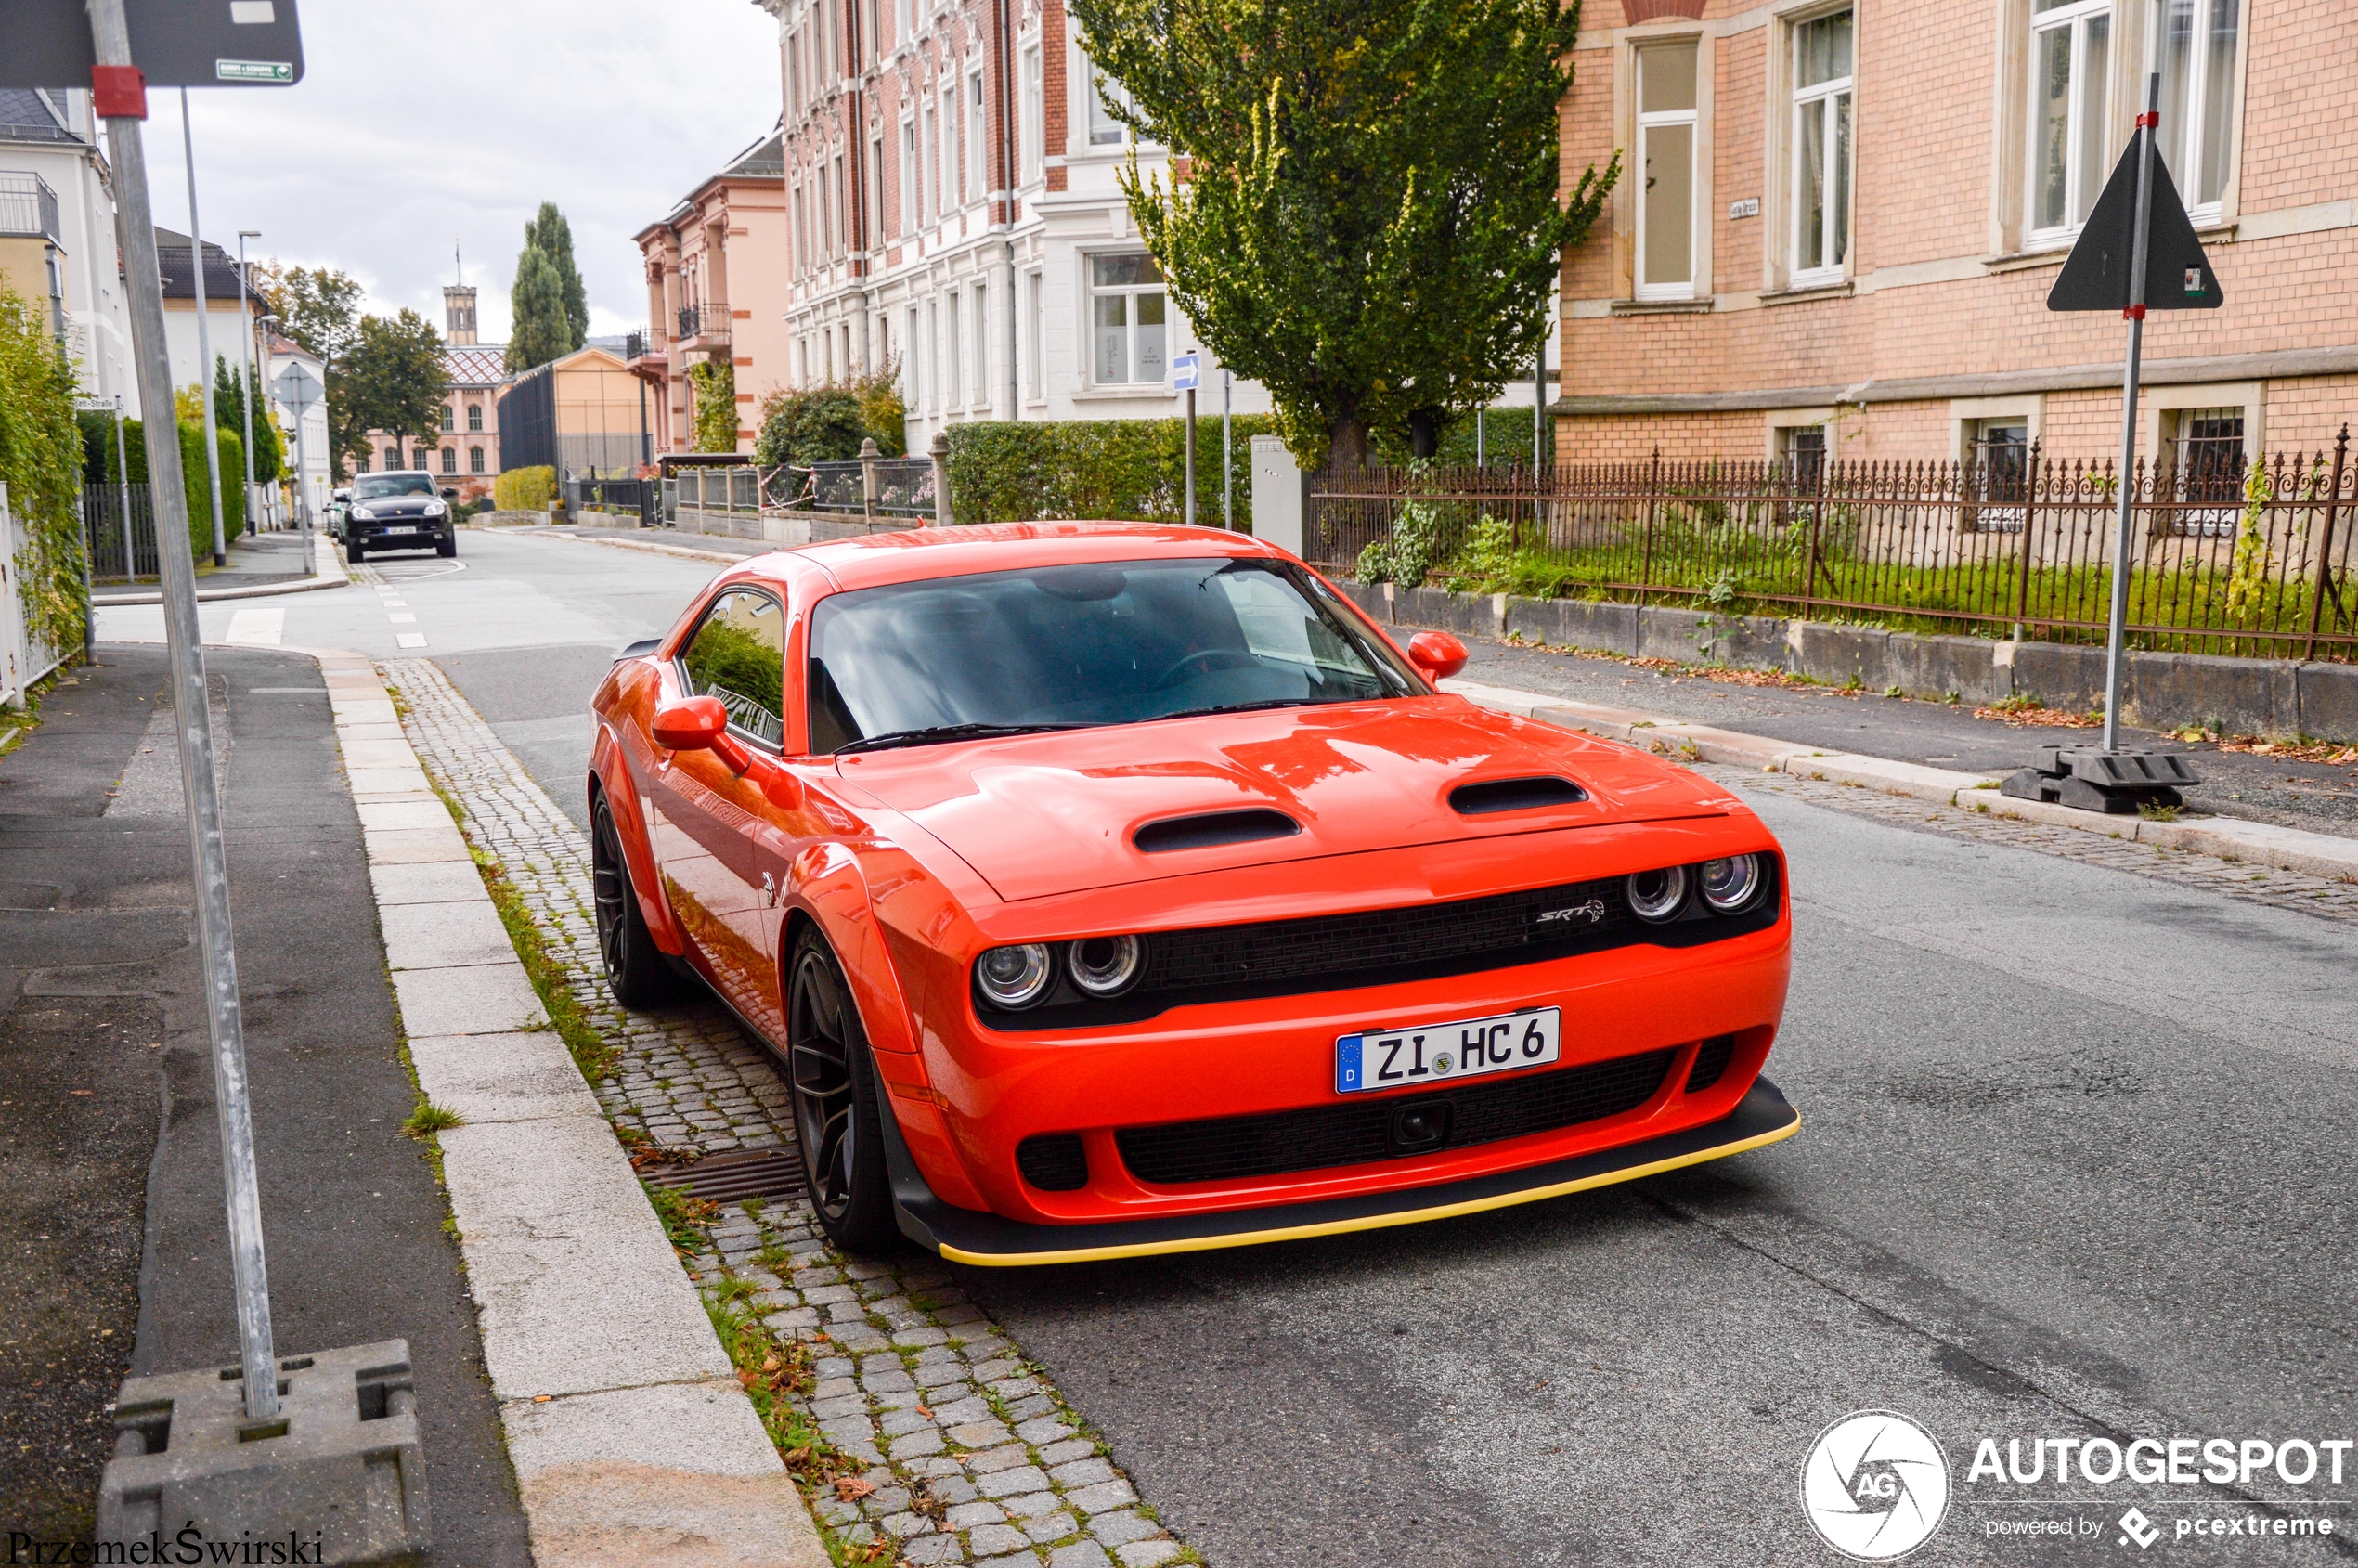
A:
(1493, 796)
(1212, 830)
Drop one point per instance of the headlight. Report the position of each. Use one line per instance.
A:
(1658, 895)
(1731, 884)
(362, 514)
(1105, 966)
(1015, 976)
(433, 509)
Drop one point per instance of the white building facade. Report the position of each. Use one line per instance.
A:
(317, 479)
(49, 144)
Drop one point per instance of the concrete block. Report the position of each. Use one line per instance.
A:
(479, 999)
(1421, 607)
(2315, 854)
(425, 882)
(445, 936)
(1591, 623)
(1367, 596)
(2044, 811)
(2166, 690)
(489, 1078)
(2063, 675)
(413, 846)
(1931, 667)
(1742, 642)
(1535, 620)
(1673, 631)
(675, 1473)
(576, 1285)
(391, 815)
(2328, 698)
(1841, 654)
(340, 1472)
(378, 754)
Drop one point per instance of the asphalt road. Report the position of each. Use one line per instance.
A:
(2076, 1162)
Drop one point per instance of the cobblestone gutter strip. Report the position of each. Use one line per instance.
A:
(948, 1448)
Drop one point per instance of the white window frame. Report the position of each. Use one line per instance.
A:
(910, 177)
(977, 139)
(904, 16)
(1035, 114)
(2183, 148)
(1819, 99)
(1690, 118)
(928, 158)
(953, 382)
(1113, 133)
(913, 381)
(1091, 292)
(2081, 184)
(1035, 337)
(952, 125)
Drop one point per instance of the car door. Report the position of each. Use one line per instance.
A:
(714, 815)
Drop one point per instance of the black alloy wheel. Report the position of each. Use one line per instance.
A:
(635, 966)
(836, 1115)
(447, 545)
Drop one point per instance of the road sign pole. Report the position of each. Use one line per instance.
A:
(136, 234)
(1227, 454)
(2116, 634)
(1191, 457)
(204, 338)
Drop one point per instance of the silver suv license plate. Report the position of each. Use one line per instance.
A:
(1437, 1053)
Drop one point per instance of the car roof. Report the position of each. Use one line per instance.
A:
(914, 554)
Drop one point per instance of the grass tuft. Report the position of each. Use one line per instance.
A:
(429, 1118)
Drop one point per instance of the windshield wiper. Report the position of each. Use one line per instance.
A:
(930, 735)
(1250, 708)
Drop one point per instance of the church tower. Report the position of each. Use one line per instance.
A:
(458, 314)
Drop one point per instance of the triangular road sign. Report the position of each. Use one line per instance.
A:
(2177, 276)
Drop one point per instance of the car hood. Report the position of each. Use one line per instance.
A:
(1039, 816)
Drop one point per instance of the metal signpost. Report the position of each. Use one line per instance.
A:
(248, 385)
(1227, 454)
(2137, 252)
(299, 389)
(204, 338)
(1187, 372)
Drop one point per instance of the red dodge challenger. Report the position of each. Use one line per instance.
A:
(1114, 890)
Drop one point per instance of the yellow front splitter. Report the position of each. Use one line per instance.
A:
(965, 1235)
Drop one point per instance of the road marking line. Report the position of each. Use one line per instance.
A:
(257, 628)
(411, 640)
(403, 618)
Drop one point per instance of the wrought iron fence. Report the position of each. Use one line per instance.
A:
(707, 319)
(904, 487)
(2252, 562)
(121, 527)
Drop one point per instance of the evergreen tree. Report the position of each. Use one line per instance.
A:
(553, 236)
(1371, 221)
(540, 330)
(230, 408)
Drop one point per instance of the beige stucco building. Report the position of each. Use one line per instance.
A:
(1839, 221)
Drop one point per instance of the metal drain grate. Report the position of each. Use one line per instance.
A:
(732, 1178)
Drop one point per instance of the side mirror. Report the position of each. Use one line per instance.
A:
(449, 492)
(342, 495)
(1436, 655)
(691, 724)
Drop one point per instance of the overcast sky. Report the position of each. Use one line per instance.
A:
(432, 121)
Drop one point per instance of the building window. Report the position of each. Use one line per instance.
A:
(908, 177)
(360, 464)
(904, 16)
(1801, 453)
(978, 395)
(1997, 469)
(948, 159)
(2197, 99)
(1126, 320)
(913, 391)
(474, 416)
(1035, 118)
(954, 383)
(873, 218)
(839, 237)
(826, 224)
(2070, 119)
(2206, 451)
(1034, 344)
(933, 346)
(474, 460)
(931, 195)
(1105, 93)
(450, 460)
(978, 163)
(449, 418)
(1666, 154)
(1821, 160)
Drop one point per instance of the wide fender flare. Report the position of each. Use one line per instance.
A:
(612, 774)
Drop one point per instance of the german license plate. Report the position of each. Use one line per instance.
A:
(1444, 1052)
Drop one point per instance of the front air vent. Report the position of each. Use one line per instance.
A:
(1711, 1063)
(1213, 829)
(1054, 1161)
(1514, 794)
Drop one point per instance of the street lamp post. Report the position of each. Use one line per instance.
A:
(204, 336)
(246, 389)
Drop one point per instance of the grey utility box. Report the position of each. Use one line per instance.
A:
(339, 1472)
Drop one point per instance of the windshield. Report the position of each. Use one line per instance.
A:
(377, 487)
(1067, 646)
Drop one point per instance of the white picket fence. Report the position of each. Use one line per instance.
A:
(23, 659)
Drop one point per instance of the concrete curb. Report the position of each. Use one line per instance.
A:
(326, 572)
(2315, 854)
(651, 548)
(630, 1437)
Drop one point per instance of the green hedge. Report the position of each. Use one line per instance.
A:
(525, 489)
(1128, 469)
(99, 468)
(37, 453)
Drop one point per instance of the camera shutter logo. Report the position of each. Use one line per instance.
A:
(1875, 1485)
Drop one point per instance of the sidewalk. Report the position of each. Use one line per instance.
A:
(259, 565)
(663, 541)
(112, 1197)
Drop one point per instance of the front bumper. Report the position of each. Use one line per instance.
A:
(968, 1236)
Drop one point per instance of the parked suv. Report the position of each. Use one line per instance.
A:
(399, 510)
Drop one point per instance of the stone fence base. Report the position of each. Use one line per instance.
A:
(785, 528)
(2279, 699)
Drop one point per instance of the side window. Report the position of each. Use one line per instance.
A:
(739, 656)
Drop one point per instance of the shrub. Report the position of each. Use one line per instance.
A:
(1130, 469)
(38, 453)
(827, 423)
(716, 387)
(525, 489)
(1415, 548)
(98, 467)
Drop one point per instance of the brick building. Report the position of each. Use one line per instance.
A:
(1840, 220)
(717, 291)
(951, 191)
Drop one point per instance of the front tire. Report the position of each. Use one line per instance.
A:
(447, 546)
(354, 550)
(635, 966)
(836, 1117)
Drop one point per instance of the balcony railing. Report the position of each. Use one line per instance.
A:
(645, 343)
(28, 206)
(709, 320)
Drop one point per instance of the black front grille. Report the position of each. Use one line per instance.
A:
(1362, 1132)
(1054, 1161)
(1711, 1063)
(1384, 946)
